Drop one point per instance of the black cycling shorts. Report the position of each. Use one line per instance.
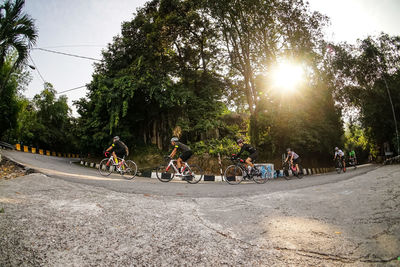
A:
(186, 155)
(297, 161)
(253, 156)
(120, 153)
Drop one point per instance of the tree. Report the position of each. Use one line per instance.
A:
(256, 34)
(17, 32)
(367, 78)
(8, 99)
(158, 74)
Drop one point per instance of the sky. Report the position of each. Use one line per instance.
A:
(85, 27)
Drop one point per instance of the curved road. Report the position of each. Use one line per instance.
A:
(66, 169)
(72, 216)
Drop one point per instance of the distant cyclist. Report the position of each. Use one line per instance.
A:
(118, 149)
(352, 157)
(340, 155)
(293, 158)
(253, 154)
(185, 151)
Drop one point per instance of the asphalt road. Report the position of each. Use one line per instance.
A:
(64, 168)
(71, 216)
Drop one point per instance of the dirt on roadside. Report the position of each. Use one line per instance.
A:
(10, 170)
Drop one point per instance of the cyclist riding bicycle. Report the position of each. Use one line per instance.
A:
(253, 154)
(294, 158)
(339, 154)
(352, 157)
(186, 153)
(118, 149)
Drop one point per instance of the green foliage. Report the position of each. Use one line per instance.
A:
(367, 76)
(224, 146)
(157, 75)
(8, 99)
(356, 138)
(17, 34)
(45, 122)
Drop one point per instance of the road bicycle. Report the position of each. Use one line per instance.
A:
(289, 166)
(236, 173)
(126, 168)
(339, 165)
(352, 162)
(190, 173)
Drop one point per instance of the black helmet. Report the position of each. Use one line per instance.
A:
(174, 139)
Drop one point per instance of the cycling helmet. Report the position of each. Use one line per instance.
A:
(116, 138)
(336, 148)
(240, 140)
(174, 139)
(288, 149)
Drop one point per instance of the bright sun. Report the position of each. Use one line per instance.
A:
(287, 76)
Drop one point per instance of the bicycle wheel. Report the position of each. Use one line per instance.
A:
(165, 175)
(106, 167)
(286, 174)
(193, 175)
(233, 174)
(259, 178)
(339, 167)
(130, 170)
(300, 174)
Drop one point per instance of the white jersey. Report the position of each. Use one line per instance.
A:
(339, 153)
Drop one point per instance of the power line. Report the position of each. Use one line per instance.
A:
(66, 54)
(37, 69)
(76, 88)
(63, 46)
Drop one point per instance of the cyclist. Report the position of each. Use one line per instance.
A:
(352, 157)
(118, 149)
(339, 154)
(186, 153)
(294, 158)
(253, 154)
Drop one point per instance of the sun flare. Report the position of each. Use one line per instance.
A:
(287, 76)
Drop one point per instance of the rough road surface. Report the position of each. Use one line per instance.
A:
(49, 221)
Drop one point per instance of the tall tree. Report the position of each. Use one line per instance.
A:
(17, 32)
(158, 74)
(256, 34)
(367, 77)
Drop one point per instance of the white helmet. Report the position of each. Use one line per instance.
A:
(174, 139)
(336, 148)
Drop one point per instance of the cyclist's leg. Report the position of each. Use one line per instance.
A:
(115, 157)
(184, 157)
(297, 161)
(249, 162)
(179, 163)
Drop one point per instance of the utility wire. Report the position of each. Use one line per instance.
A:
(71, 89)
(37, 69)
(66, 54)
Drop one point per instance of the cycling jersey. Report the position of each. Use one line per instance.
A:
(339, 153)
(295, 156)
(181, 146)
(120, 148)
(352, 154)
(248, 148)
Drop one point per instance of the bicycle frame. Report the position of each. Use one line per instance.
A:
(242, 164)
(120, 163)
(171, 163)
